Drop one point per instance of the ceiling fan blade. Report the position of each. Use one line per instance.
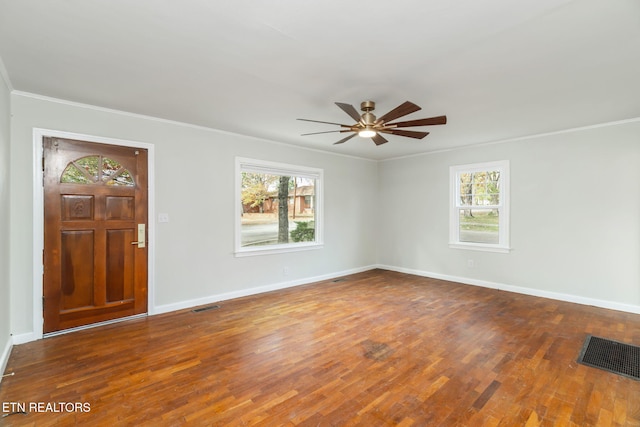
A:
(409, 133)
(328, 123)
(439, 120)
(401, 110)
(379, 139)
(345, 139)
(350, 110)
(326, 131)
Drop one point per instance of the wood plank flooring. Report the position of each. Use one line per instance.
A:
(377, 348)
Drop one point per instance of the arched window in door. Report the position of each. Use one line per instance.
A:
(97, 170)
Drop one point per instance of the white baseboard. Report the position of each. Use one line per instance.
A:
(4, 357)
(24, 338)
(611, 305)
(165, 308)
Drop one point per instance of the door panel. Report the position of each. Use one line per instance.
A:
(119, 207)
(95, 200)
(76, 269)
(120, 271)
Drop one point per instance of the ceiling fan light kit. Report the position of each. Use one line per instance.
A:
(367, 132)
(368, 126)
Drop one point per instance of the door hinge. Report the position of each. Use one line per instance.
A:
(43, 303)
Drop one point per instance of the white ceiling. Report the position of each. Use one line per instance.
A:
(498, 69)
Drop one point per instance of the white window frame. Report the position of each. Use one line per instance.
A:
(261, 166)
(503, 207)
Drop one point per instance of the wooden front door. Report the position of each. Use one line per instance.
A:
(95, 217)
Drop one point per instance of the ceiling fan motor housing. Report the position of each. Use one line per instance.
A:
(368, 118)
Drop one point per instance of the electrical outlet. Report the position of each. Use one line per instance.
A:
(285, 271)
(470, 263)
(163, 217)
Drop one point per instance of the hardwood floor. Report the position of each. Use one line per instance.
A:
(373, 349)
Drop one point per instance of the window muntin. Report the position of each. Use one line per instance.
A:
(479, 208)
(263, 190)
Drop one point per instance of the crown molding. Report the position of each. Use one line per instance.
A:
(173, 122)
(519, 138)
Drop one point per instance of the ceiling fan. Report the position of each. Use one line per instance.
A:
(368, 126)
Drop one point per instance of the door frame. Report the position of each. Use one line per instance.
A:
(38, 218)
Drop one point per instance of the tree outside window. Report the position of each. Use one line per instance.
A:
(479, 209)
(278, 207)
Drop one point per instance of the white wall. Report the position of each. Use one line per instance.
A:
(575, 229)
(5, 121)
(194, 184)
(575, 217)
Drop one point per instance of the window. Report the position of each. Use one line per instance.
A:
(96, 170)
(480, 206)
(278, 207)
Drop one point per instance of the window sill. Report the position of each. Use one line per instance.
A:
(480, 247)
(270, 250)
